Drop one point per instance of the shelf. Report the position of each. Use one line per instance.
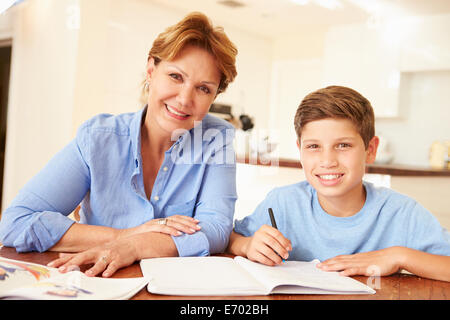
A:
(390, 169)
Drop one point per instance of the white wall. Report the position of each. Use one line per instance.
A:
(41, 89)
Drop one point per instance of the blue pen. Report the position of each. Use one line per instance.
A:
(274, 223)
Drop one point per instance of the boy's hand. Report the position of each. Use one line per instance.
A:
(374, 263)
(268, 246)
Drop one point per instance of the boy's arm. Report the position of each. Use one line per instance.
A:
(238, 244)
(426, 265)
(390, 260)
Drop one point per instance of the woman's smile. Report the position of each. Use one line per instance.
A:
(175, 113)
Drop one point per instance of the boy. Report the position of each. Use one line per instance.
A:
(334, 215)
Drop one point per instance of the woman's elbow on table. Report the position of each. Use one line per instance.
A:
(13, 235)
(218, 235)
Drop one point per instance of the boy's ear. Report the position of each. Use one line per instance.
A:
(372, 150)
(299, 150)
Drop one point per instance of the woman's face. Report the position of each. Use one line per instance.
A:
(181, 90)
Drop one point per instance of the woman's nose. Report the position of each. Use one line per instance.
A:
(185, 95)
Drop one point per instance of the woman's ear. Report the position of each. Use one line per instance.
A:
(372, 150)
(150, 69)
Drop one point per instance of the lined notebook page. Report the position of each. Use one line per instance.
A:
(304, 274)
(198, 276)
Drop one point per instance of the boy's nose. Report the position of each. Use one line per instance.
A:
(328, 160)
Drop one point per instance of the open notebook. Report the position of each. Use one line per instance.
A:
(239, 276)
(23, 280)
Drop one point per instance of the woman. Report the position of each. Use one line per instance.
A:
(151, 183)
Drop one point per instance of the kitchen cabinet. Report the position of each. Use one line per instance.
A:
(367, 60)
(429, 187)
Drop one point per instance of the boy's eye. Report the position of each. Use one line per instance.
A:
(312, 146)
(343, 145)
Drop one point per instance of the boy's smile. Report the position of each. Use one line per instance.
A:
(330, 179)
(333, 156)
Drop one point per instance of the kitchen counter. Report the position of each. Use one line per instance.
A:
(427, 186)
(390, 169)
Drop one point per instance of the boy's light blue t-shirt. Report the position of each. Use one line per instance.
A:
(387, 219)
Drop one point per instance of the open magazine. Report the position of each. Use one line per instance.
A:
(24, 280)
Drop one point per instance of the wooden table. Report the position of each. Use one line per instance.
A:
(395, 287)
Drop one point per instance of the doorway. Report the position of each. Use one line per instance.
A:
(5, 66)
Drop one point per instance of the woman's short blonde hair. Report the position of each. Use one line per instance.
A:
(196, 29)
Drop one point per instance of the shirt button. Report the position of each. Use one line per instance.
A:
(165, 169)
(156, 198)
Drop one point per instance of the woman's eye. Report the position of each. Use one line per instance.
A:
(312, 146)
(205, 89)
(175, 76)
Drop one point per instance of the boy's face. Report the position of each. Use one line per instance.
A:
(333, 156)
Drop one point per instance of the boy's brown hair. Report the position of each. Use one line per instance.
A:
(337, 102)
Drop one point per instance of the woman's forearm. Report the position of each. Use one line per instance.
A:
(80, 237)
(153, 245)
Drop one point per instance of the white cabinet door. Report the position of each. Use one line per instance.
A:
(366, 60)
(292, 80)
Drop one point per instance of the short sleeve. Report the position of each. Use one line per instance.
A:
(425, 233)
(250, 224)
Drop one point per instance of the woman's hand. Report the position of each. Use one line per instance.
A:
(174, 225)
(374, 263)
(106, 258)
(268, 246)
